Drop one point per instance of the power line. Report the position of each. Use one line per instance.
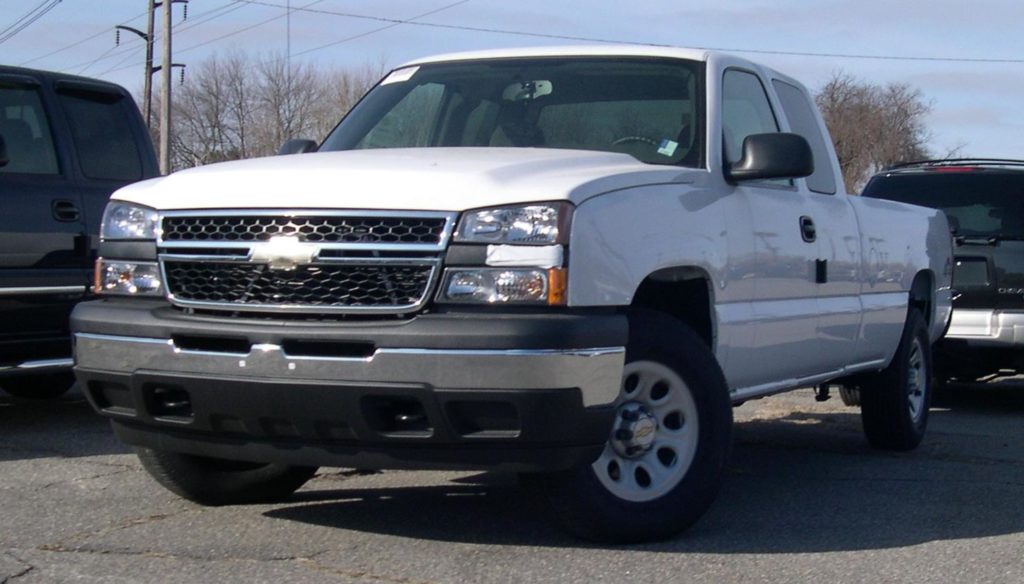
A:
(383, 28)
(25, 21)
(524, 33)
(128, 51)
(248, 28)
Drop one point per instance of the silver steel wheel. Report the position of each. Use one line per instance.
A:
(917, 381)
(654, 438)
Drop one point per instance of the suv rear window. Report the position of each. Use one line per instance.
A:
(983, 203)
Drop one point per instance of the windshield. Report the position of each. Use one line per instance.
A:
(648, 108)
(978, 203)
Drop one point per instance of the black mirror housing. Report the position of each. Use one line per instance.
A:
(297, 146)
(4, 157)
(774, 155)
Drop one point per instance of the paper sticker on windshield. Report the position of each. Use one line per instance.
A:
(400, 75)
(667, 147)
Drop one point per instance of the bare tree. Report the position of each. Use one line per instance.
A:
(873, 126)
(236, 106)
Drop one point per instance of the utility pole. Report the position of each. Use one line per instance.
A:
(165, 99)
(147, 82)
(165, 81)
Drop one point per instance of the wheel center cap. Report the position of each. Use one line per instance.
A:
(634, 431)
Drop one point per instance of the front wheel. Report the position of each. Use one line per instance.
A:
(895, 401)
(214, 481)
(662, 465)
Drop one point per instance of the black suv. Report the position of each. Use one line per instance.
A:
(66, 143)
(984, 200)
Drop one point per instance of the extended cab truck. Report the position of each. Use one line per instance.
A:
(66, 143)
(563, 262)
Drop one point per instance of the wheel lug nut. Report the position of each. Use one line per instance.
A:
(630, 415)
(623, 434)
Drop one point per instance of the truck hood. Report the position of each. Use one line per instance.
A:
(440, 179)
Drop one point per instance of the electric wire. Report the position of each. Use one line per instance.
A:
(524, 33)
(381, 29)
(40, 11)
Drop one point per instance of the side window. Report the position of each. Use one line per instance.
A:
(802, 120)
(102, 136)
(26, 132)
(745, 111)
(403, 126)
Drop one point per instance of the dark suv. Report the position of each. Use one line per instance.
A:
(66, 143)
(984, 200)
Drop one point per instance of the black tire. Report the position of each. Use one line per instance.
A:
(213, 481)
(895, 401)
(849, 395)
(580, 502)
(46, 386)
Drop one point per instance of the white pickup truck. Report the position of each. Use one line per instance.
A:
(569, 263)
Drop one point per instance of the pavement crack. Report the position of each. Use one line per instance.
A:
(28, 569)
(360, 574)
(72, 543)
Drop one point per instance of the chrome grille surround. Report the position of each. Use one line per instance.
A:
(363, 275)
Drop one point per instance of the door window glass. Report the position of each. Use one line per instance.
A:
(745, 111)
(102, 135)
(26, 132)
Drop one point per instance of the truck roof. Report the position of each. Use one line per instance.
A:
(573, 51)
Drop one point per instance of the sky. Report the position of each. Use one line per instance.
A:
(966, 58)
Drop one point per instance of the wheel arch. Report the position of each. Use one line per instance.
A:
(683, 292)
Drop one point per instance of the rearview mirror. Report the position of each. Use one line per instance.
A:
(526, 90)
(4, 158)
(775, 155)
(297, 146)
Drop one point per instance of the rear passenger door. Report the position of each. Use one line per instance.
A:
(43, 253)
(837, 266)
(109, 141)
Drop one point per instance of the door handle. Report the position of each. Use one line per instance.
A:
(807, 229)
(64, 210)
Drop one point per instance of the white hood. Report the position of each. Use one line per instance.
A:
(439, 179)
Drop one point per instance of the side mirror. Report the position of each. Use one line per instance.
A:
(296, 146)
(776, 155)
(4, 157)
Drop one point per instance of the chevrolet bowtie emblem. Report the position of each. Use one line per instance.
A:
(284, 253)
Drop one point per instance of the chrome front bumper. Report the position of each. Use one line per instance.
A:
(596, 372)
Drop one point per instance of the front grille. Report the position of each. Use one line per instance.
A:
(383, 262)
(313, 229)
(318, 285)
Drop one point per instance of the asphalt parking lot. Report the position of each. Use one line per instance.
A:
(805, 501)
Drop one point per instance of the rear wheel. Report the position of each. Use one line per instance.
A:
(214, 481)
(663, 463)
(895, 401)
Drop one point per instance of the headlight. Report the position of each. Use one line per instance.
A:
(128, 221)
(504, 286)
(536, 224)
(127, 278)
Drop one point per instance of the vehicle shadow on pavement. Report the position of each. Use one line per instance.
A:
(802, 482)
(65, 426)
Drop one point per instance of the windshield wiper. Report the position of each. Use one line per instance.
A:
(976, 239)
(986, 239)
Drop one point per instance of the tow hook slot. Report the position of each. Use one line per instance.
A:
(397, 416)
(166, 402)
